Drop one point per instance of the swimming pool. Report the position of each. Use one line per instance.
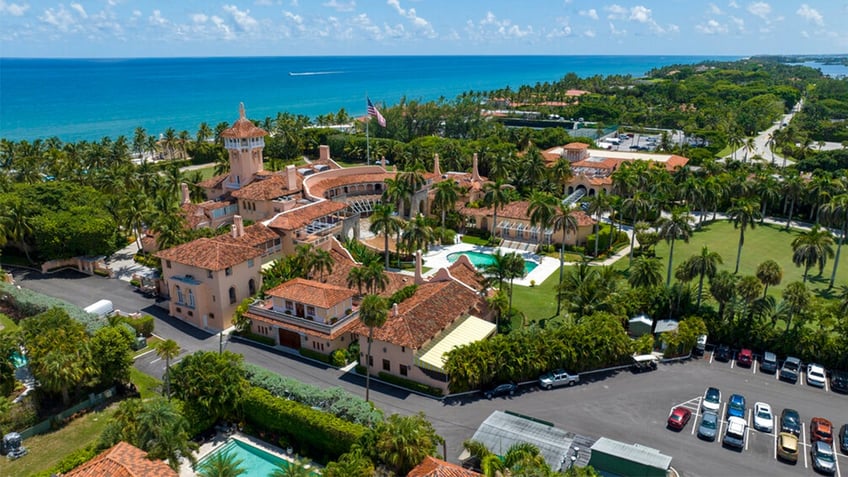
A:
(19, 360)
(256, 462)
(480, 260)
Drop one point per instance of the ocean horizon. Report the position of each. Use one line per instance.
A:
(90, 98)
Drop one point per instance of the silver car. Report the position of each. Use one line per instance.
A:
(709, 426)
(558, 378)
(823, 458)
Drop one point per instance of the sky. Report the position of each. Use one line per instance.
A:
(185, 28)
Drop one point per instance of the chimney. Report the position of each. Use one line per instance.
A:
(436, 169)
(418, 278)
(395, 310)
(475, 173)
(239, 226)
(383, 162)
(185, 194)
(234, 230)
(323, 152)
(291, 178)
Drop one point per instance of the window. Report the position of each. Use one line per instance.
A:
(404, 370)
(191, 298)
(310, 311)
(289, 307)
(228, 271)
(179, 310)
(387, 365)
(403, 349)
(180, 298)
(250, 263)
(232, 295)
(371, 361)
(211, 316)
(209, 274)
(251, 286)
(168, 263)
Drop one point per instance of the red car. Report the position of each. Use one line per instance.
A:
(679, 417)
(745, 358)
(821, 430)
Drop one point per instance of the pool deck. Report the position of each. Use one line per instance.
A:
(437, 258)
(221, 439)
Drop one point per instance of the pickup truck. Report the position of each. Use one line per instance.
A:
(558, 378)
(734, 436)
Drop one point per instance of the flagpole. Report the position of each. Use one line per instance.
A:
(367, 138)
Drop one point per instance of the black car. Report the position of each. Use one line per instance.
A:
(790, 421)
(722, 353)
(839, 381)
(506, 389)
(843, 439)
(769, 363)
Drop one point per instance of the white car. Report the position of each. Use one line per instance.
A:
(815, 375)
(712, 400)
(763, 418)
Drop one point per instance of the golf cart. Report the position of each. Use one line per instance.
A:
(644, 362)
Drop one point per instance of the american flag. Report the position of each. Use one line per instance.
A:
(372, 111)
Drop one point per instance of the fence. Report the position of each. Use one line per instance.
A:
(47, 424)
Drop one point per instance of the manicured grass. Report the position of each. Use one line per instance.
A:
(151, 343)
(762, 243)
(6, 323)
(47, 450)
(538, 302)
(207, 172)
(148, 386)
(475, 240)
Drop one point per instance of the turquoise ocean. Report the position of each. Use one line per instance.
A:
(75, 99)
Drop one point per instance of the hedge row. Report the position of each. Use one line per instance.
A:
(70, 461)
(320, 434)
(30, 303)
(143, 326)
(258, 338)
(315, 355)
(336, 401)
(410, 384)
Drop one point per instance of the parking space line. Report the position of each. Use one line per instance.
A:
(774, 432)
(804, 445)
(754, 367)
(697, 413)
(748, 428)
(836, 460)
(825, 384)
(720, 424)
(712, 353)
(732, 360)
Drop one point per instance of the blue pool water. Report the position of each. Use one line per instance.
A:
(256, 462)
(19, 360)
(480, 260)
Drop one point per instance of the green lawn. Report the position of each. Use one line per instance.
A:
(47, 450)
(6, 323)
(207, 172)
(762, 243)
(538, 302)
(148, 386)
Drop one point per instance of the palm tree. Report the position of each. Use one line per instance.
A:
(417, 235)
(811, 247)
(375, 277)
(797, 298)
(793, 187)
(748, 289)
(496, 194)
(565, 221)
(296, 468)
(163, 433)
(561, 173)
(723, 289)
(542, 209)
(385, 221)
(703, 265)
(18, 228)
(634, 206)
(357, 277)
(598, 204)
(835, 212)
(204, 132)
(373, 314)
(167, 350)
(744, 213)
(447, 193)
(769, 273)
(672, 228)
(515, 269)
(645, 273)
(322, 262)
(222, 464)
(169, 140)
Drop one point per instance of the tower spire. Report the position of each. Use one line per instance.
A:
(241, 111)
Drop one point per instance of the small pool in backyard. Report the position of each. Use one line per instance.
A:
(481, 260)
(256, 462)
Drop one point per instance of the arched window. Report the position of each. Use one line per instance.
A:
(251, 286)
(232, 295)
(179, 294)
(191, 298)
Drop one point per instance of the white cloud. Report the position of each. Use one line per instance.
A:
(760, 9)
(589, 33)
(615, 31)
(410, 14)
(616, 12)
(13, 9)
(340, 7)
(79, 9)
(199, 17)
(563, 28)
(60, 19)
(640, 14)
(242, 18)
(492, 28)
(810, 14)
(711, 27)
(591, 13)
(739, 23)
(733, 4)
(157, 19)
(715, 10)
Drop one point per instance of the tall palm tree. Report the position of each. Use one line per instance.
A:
(598, 205)
(565, 221)
(768, 189)
(204, 133)
(167, 350)
(515, 269)
(296, 468)
(163, 432)
(417, 235)
(797, 298)
(496, 194)
(703, 265)
(373, 314)
(497, 268)
(769, 273)
(396, 191)
(723, 290)
(793, 187)
(812, 247)
(542, 208)
(744, 213)
(169, 141)
(357, 277)
(222, 464)
(835, 212)
(322, 262)
(376, 279)
(561, 173)
(385, 221)
(18, 228)
(634, 206)
(645, 273)
(676, 226)
(447, 193)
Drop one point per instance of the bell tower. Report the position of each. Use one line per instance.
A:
(244, 142)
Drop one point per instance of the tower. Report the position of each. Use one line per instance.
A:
(244, 142)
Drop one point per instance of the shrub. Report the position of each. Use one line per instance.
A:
(410, 384)
(338, 358)
(19, 416)
(403, 294)
(319, 433)
(143, 325)
(135, 282)
(258, 338)
(315, 355)
(147, 260)
(71, 461)
(101, 272)
(29, 303)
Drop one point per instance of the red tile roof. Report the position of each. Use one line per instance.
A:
(465, 272)
(341, 268)
(254, 236)
(311, 292)
(337, 331)
(596, 162)
(209, 254)
(433, 307)
(432, 467)
(213, 182)
(575, 146)
(317, 188)
(520, 210)
(122, 460)
(267, 189)
(243, 127)
(302, 216)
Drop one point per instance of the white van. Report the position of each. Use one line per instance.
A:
(100, 308)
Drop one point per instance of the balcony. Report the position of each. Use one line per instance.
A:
(264, 310)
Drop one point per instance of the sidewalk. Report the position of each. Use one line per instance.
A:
(122, 265)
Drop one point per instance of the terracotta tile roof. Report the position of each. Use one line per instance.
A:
(675, 162)
(466, 273)
(194, 215)
(520, 210)
(254, 236)
(311, 292)
(341, 268)
(596, 162)
(433, 307)
(209, 254)
(122, 460)
(347, 327)
(575, 146)
(266, 189)
(212, 182)
(583, 219)
(302, 216)
(432, 467)
(243, 128)
(318, 187)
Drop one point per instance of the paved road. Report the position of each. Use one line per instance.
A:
(622, 406)
(762, 140)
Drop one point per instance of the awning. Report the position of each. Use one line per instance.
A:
(465, 331)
